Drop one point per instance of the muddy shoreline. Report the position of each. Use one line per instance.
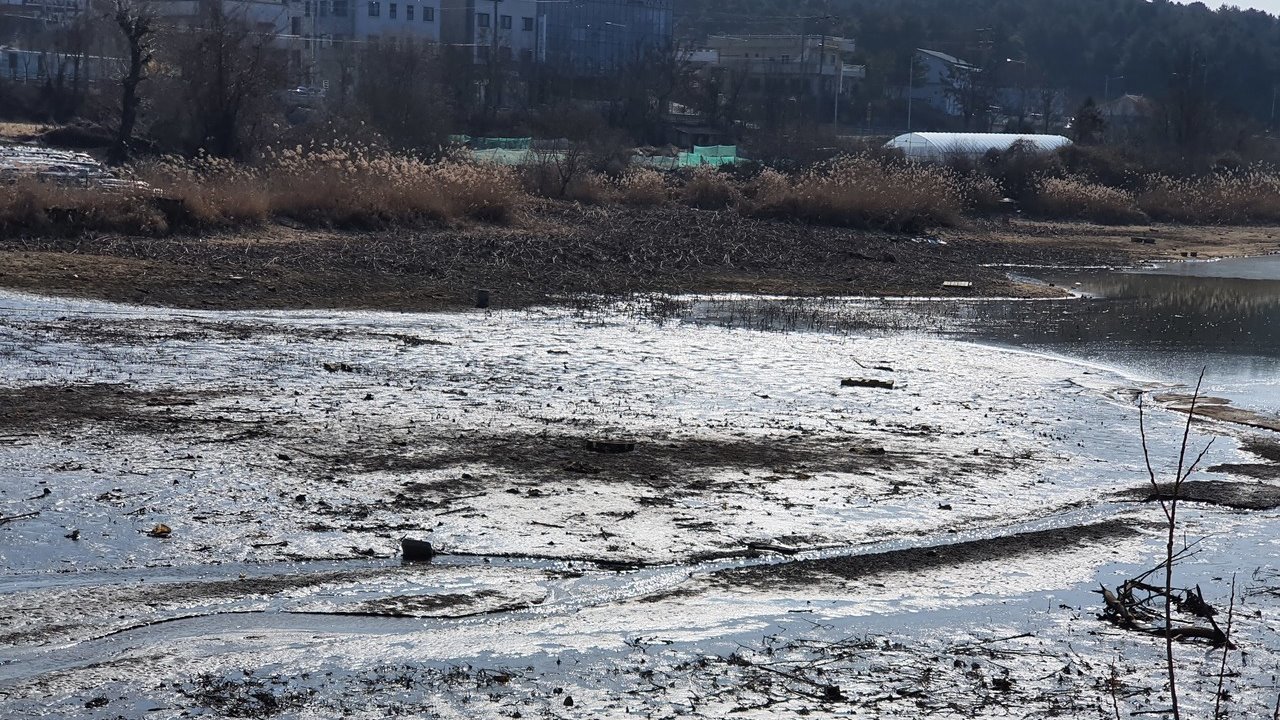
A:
(289, 454)
(565, 249)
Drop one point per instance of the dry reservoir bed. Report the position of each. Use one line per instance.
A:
(775, 541)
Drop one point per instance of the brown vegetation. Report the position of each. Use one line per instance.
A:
(351, 186)
(336, 186)
(858, 191)
(1230, 197)
(1073, 198)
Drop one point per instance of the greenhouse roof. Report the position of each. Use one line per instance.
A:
(941, 145)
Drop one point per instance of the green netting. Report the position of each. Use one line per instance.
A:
(501, 143)
(713, 155)
(504, 157)
(714, 151)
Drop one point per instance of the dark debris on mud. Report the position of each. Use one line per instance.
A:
(1234, 495)
(804, 573)
(1266, 449)
(37, 408)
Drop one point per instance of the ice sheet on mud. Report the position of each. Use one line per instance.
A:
(266, 439)
(337, 433)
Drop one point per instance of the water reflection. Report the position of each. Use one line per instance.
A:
(1164, 323)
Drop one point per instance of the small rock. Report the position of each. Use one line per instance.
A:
(568, 701)
(73, 535)
(160, 531)
(416, 550)
(96, 703)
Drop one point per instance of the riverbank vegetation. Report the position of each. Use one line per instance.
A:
(355, 187)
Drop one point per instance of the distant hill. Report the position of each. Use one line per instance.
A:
(1158, 47)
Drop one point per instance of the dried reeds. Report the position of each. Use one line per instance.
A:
(1074, 198)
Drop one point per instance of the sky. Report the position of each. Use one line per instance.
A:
(1271, 6)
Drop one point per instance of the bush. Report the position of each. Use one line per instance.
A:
(1074, 198)
(1113, 166)
(1244, 196)
(857, 191)
(1020, 168)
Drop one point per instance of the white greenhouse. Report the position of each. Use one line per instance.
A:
(940, 146)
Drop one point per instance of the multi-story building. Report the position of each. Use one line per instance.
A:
(503, 31)
(599, 37)
(414, 22)
(778, 66)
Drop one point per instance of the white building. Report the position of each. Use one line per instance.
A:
(934, 80)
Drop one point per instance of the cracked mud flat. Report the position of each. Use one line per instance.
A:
(766, 512)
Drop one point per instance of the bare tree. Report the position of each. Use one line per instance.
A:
(136, 21)
(1049, 102)
(227, 73)
(646, 87)
(400, 93)
(971, 91)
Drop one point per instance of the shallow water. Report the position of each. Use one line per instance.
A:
(1163, 323)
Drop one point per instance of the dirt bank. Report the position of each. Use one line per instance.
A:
(566, 248)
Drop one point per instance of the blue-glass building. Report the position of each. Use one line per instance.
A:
(598, 37)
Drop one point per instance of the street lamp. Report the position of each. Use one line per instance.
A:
(1022, 91)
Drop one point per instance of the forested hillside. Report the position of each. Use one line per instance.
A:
(1159, 47)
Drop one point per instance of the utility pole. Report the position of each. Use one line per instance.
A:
(1273, 107)
(911, 86)
(1106, 91)
(835, 114)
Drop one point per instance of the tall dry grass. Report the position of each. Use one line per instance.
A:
(1074, 198)
(1232, 197)
(860, 191)
(640, 187)
(336, 185)
(709, 189)
(36, 207)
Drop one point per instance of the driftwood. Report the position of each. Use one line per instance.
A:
(11, 518)
(1130, 606)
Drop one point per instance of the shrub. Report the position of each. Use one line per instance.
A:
(1020, 168)
(982, 193)
(1075, 198)
(858, 191)
(1117, 167)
